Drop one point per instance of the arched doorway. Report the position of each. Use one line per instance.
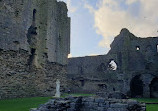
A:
(154, 88)
(136, 87)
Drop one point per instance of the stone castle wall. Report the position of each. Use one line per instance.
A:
(34, 45)
(41, 25)
(136, 60)
(18, 79)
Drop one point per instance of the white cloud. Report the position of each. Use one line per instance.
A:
(70, 7)
(139, 16)
(89, 7)
(130, 1)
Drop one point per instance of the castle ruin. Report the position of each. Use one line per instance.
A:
(135, 72)
(34, 45)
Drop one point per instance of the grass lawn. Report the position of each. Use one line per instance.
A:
(152, 107)
(22, 104)
(149, 107)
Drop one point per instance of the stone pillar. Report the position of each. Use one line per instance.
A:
(147, 78)
(146, 90)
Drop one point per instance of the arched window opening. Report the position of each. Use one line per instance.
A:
(137, 48)
(112, 65)
(136, 87)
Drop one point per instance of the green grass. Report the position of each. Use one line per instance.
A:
(148, 100)
(149, 107)
(152, 107)
(22, 104)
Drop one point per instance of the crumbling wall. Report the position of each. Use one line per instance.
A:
(93, 74)
(14, 23)
(133, 56)
(47, 24)
(18, 79)
(91, 104)
(135, 53)
(34, 45)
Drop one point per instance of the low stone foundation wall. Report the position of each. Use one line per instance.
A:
(91, 104)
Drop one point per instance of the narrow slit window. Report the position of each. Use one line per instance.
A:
(34, 14)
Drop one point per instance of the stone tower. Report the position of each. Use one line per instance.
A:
(38, 26)
(34, 45)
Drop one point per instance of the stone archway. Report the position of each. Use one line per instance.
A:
(154, 88)
(136, 86)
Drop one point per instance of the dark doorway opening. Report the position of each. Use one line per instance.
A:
(136, 87)
(32, 56)
(154, 88)
(82, 82)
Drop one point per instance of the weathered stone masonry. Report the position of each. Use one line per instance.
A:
(137, 68)
(91, 104)
(34, 45)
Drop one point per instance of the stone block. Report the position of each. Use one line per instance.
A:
(99, 100)
(117, 109)
(118, 105)
(88, 99)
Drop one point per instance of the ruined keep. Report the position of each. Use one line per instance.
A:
(135, 72)
(34, 45)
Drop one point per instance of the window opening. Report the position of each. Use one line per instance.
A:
(112, 65)
(137, 48)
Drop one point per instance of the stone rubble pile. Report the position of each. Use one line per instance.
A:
(91, 104)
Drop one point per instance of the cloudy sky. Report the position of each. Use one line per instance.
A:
(95, 23)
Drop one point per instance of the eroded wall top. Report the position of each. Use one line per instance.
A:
(130, 53)
(39, 26)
